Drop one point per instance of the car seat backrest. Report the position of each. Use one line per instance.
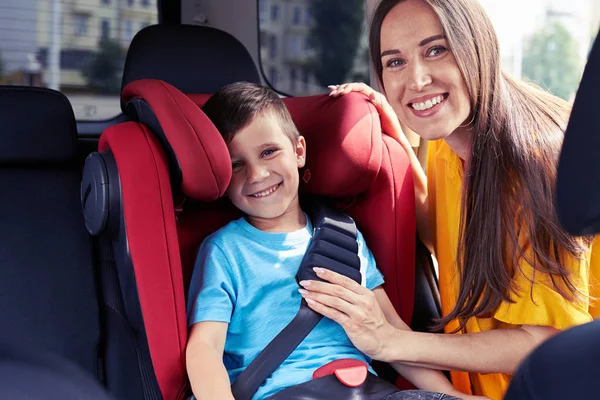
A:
(48, 296)
(194, 59)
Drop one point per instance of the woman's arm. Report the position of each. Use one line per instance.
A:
(204, 359)
(357, 310)
(422, 378)
(391, 127)
(494, 351)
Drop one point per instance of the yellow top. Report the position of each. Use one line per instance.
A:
(548, 308)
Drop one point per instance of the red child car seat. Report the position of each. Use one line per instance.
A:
(350, 160)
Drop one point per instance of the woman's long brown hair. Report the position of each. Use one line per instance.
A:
(507, 211)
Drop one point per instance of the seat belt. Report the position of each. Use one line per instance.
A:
(333, 246)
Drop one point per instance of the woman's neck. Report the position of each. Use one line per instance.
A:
(460, 142)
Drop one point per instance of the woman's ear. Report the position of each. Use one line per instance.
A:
(301, 151)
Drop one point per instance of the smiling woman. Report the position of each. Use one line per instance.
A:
(509, 275)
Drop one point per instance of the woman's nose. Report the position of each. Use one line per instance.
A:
(419, 76)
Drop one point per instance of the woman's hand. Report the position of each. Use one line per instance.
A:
(352, 306)
(389, 120)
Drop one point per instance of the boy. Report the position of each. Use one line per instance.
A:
(243, 290)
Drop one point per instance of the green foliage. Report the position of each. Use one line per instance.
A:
(104, 72)
(335, 34)
(551, 59)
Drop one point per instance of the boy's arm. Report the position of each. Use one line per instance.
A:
(204, 358)
(422, 378)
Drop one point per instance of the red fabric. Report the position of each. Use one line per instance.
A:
(152, 238)
(385, 214)
(343, 143)
(200, 151)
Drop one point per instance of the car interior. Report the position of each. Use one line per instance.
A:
(101, 222)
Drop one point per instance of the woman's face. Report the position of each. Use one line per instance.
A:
(420, 76)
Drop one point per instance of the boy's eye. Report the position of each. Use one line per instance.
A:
(236, 165)
(268, 152)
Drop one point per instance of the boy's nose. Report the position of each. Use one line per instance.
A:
(257, 173)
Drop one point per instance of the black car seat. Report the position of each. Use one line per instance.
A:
(48, 298)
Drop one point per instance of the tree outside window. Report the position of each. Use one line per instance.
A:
(551, 59)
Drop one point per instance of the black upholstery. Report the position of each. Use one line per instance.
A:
(578, 181)
(194, 59)
(38, 127)
(33, 375)
(47, 290)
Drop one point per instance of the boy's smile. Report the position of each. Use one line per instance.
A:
(265, 193)
(264, 183)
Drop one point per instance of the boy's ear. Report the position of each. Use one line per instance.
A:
(301, 151)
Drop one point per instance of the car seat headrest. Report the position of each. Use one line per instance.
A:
(343, 141)
(194, 59)
(38, 127)
(198, 157)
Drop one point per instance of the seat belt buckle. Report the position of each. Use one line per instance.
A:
(349, 371)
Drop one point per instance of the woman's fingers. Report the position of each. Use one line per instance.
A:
(338, 282)
(345, 88)
(328, 312)
(333, 305)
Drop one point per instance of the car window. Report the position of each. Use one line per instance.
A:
(75, 46)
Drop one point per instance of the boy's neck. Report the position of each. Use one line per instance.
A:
(293, 219)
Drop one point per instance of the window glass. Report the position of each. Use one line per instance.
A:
(546, 41)
(75, 46)
(323, 42)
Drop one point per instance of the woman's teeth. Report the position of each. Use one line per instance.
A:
(426, 105)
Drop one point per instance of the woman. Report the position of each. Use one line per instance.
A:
(510, 277)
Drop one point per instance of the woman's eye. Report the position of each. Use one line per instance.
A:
(436, 51)
(394, 63)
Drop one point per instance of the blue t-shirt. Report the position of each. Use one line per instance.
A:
(246, 277)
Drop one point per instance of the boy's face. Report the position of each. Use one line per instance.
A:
(265, 162)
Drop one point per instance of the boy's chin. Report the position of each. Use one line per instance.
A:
(265, 215)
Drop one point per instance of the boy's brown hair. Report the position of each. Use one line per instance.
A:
(234, 106)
